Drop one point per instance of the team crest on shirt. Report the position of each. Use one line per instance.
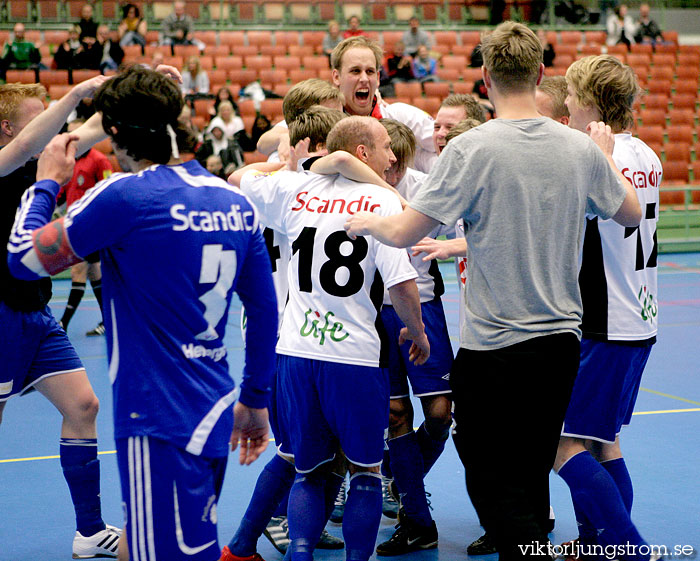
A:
(647, 300)
(319, 327)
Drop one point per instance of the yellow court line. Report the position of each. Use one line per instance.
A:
(670, 396)
(666, 411)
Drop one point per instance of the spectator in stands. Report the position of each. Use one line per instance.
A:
(399, 67)
(548, 48)
(227, 120)
(68, 53)
(353, 29)
(195, 80)
(178, 27)
(620, 26)
(424, 66)
(217, 143)
(215, 166)
(223, 94)
(87, 25)
(19, 53)
(648, 31)
(332, 38)
(414, 37)
(103, 54)
(248, 142)
(132, 29)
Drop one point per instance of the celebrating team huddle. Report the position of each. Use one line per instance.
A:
(338, 233)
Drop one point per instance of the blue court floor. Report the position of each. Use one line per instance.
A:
(662, 446)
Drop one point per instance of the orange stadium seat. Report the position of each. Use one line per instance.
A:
(653, 133)
(659, 87)
(428, 104)
(454, 61)
(471, 74)
(680, 133)
(650, 117)
(463, 50)
(589, 49)
(595, 37)
(408, 89)
(287, 62)
(655, 101)
(463, 87)
(206, 62)
(57, 91)
(206, 37)
(570, 37)
(675, 173)
(638, 59)
(217, 78)
(470, 37)
(671, 36)
(662, 59)
(258, 62)
(638, 48)
(82, 75)
(445, 38)
(666, 49)
(436, 89)
(681, 116)
(313, 38)
(259, 38)
(296, 76)
(51, 77)
(231, 62)
(684, 101)
(661, 73)
(286, 38)
(448, 74)
(232, 38)
(301, 50)
(21, 76)
(273, 50)
(242, 77)
(390, 38)
(185, 51)
(677, 152)
(316, 62)
(565, 49)
(688, 72)
(282, 89)
(269, 76)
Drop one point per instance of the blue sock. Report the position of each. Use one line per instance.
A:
(587, 533)
(272, 486)
(363, 512)
(599, 499)
(430, 448)
(81, 469)
(618, 471)
(307, 514)
(407, 465)
(282, 508)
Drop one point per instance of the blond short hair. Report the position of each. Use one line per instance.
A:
(403, 142)
(359, 42)
(463, 126)
(472, 108)
(607, 84)
(554, 87)
(316, 122)
(306, 93)
(350, 133)
(12, 95)
(512, 55)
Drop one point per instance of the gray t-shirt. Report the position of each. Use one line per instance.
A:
(523, 188)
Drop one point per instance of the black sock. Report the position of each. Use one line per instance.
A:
(97, 291)
(76, 295)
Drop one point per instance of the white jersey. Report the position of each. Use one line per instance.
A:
(618, 272)
(429, 281)
(330, 315)
(422, 126)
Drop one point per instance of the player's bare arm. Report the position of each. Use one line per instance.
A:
(44, 127)
(399, 230)
(406, 301)
(630, 213)
(440, 249)
(265, 167)
(270, 140)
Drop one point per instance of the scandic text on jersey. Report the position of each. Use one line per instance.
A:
(212, 221)
(341, 206)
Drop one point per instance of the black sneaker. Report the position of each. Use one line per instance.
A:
(482, 546)
(97, 331)
(339, 504)
(409, 537)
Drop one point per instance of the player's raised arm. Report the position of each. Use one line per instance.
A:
(37, 249)
(44, 127)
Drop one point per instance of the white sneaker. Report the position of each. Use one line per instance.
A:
(102, 544)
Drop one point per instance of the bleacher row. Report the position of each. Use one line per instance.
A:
(667, 114)
(270, 12)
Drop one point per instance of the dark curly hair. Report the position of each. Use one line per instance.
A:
(139, 104)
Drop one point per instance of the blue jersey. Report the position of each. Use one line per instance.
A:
(175, 242)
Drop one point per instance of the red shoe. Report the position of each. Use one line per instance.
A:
(226, 555)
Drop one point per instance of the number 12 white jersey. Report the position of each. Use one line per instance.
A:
(618, 273)
(330, 315)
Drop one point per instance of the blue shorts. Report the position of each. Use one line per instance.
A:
(33, 346)
(605, 390)
(433, 377)
(169, 498)
(324, 406)
(277, 428)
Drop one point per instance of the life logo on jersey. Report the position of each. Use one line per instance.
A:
(311, 327)
(649, 307)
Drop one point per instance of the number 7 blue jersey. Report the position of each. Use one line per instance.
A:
(175, 243)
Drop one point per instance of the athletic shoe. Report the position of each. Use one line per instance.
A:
(102, 544)
(390, 506)
(99, 330)
(482, 546)
(328, 541)
(409, 537)
(339, 505)
(226, 555)
(277, 531)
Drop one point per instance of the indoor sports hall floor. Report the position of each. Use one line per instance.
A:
(662, 446)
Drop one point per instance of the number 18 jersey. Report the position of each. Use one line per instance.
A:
(330, 315)
(618, 273)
